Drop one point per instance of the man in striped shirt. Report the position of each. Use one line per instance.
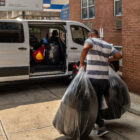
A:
(98, 54)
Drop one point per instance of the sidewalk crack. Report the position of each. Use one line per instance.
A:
(4, 130)
(28, 130)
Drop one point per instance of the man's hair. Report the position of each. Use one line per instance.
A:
(95, 32)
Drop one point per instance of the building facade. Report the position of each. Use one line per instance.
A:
(118, 22)
(51, 10)
(99, 14)
(131, 43)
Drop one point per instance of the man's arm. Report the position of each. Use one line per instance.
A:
(117, 56)
(84, 53)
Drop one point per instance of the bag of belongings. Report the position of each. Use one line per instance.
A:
(77, 112)
(54, 53)
(118, 99)
(38, 55)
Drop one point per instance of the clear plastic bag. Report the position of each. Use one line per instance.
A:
(118, 99)
(78, 109)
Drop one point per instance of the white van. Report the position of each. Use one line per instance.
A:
(19, 39)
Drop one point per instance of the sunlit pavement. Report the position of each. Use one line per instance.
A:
(27, 111)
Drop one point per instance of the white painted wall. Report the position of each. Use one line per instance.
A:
(10, 5)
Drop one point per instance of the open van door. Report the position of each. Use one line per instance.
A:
(77, 34)
(14, 50)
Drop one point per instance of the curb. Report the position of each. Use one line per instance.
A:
(135, 109)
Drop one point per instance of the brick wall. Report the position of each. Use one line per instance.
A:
(75, 10)
(104, 18)
(128, 37)
(131, 43)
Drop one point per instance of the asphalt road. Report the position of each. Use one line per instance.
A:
(27, 110)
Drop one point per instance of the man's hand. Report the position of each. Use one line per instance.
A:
(82, 65)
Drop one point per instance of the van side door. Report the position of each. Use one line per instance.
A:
(14, 50)
(77, 35)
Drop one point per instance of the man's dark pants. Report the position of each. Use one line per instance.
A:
(101, 87)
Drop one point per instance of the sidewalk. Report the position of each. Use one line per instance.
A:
(27, 112)
(135, 103)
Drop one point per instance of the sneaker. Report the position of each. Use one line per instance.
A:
(103, 132)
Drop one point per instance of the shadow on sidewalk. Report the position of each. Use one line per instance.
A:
(121, 126)
(66, 138)
(31, 92)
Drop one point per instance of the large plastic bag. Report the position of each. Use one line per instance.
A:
(118, 99)
(54, 53)
(78, 109)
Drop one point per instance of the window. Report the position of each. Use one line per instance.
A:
(85, 33)
(79, 34)
(88, 9)
(117, 7)
(11, 32)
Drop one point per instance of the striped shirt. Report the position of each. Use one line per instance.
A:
(97, 58)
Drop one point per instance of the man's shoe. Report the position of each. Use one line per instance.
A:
(103, 132)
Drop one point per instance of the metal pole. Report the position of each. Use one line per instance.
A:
(23, 14)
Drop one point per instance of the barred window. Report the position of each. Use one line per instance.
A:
(117, 7)
(87, 9)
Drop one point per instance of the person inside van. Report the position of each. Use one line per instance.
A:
(54, 37)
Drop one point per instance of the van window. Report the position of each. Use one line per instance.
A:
(79, 34)
(11, 32)
(85, 33)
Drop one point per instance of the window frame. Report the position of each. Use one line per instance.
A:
(87, 7)
(115, 14)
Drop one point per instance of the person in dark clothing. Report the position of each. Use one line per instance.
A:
(98, 54)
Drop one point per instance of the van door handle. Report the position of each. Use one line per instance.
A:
(22, 49)
(74, 48)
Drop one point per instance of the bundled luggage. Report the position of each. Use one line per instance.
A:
(118, 98)
(39, 54)
(52, 54)
(77, 112)
(78, 109)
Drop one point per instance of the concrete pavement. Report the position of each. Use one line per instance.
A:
(27, 111)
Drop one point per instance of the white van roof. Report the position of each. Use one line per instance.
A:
(65, 21)
(57, 21)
